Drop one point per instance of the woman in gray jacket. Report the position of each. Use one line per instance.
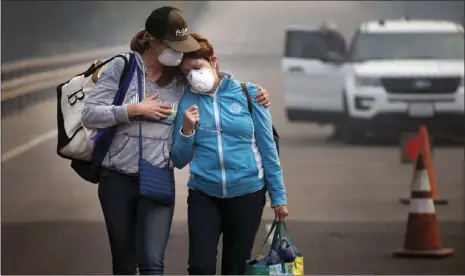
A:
(132, 221)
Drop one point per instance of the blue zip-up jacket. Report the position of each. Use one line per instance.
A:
(231, 152)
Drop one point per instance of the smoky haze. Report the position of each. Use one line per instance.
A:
(345, 216)
(42, 28)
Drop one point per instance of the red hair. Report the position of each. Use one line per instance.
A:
(206, 49)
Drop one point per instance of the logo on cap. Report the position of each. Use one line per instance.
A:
(180, 32)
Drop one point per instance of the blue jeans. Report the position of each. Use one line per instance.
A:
(138, 229)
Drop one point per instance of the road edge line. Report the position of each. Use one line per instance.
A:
(17, 151)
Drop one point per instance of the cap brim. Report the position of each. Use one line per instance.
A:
(184, 46)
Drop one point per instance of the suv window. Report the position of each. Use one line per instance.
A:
(408, 46)
(305, 44)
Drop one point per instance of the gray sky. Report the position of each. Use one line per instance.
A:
(40, 28)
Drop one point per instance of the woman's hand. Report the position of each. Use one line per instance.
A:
(262, 97)
(150, 109)
(191, 117)
(280, 212)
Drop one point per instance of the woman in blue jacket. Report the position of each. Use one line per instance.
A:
(231, 154)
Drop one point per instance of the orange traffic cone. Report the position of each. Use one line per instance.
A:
(422, 236)
(409, 146)
(425, 151)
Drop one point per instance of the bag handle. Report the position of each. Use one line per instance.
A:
(273, 226)
(125, 80)
(140, 97)
(279, 228)
(285, 231)
(94, 67)
(249, 106)
(247, 95)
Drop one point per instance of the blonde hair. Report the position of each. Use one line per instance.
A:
(140, 42)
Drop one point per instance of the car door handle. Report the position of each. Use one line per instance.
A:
(295, 69)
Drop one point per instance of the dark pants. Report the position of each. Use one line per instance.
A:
(238, 218)
(138, 229)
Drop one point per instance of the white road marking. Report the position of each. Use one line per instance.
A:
(270, 239)
(29, 145)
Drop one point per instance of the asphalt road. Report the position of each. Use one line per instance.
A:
(343, 200)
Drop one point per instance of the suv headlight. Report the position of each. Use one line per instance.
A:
(367, 81)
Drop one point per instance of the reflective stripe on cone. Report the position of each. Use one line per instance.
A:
(422, 236)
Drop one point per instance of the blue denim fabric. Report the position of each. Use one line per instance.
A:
(138, 229)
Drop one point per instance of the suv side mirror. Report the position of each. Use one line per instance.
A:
(333, 57)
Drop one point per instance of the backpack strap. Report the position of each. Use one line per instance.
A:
(94, 67)
(249, 105)
(125, 79)
(127, 66)
(247, 95)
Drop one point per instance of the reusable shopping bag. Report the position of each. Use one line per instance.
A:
(283, 258)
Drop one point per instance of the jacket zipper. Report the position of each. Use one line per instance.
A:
(220, 145)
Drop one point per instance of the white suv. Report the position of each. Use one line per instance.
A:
(398, 74)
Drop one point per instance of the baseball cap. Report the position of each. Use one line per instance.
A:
(169, 25)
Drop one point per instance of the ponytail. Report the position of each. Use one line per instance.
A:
(140, 42)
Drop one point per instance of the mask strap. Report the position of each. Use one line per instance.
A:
(151, 50)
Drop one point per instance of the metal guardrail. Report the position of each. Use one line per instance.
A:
(21, 68)
(59, 69)
(28, 81)
(32, 83)
(25, 82)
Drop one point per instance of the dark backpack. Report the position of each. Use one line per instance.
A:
(90, 170)
(249, 106)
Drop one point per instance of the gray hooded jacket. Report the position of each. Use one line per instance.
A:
(156, 135)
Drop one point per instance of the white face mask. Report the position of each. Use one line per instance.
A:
(170, 57)
(201, 80)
